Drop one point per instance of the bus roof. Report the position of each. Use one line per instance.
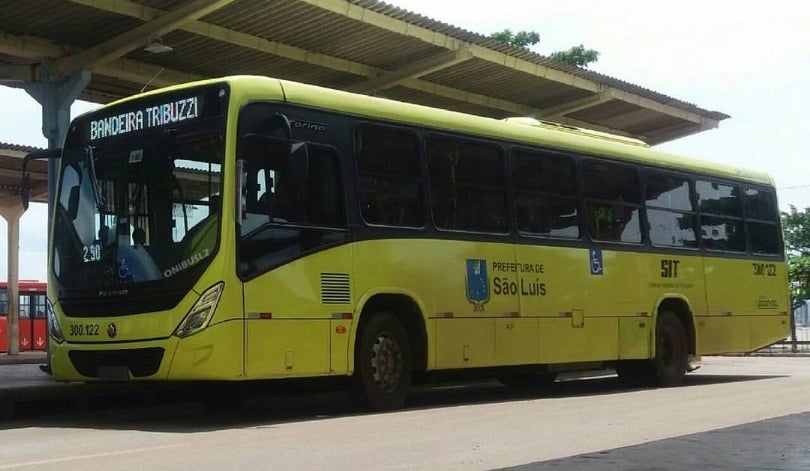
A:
(525, 130)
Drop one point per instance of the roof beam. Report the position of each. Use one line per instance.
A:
(661, 107)
(615, 94)
(140, 72)
(576, 105)
(596, 127)
(16, 73)
(469, 97)
(147, 74)
(134, 38)
(229, 36)
(414, 70)
(677, 131)
(137, 72)
(29, 47)
(218, 33)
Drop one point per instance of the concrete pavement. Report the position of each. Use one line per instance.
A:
(455, 427)
(774, 444)
(23, 384)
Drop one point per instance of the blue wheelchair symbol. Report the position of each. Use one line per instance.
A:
(596, 262)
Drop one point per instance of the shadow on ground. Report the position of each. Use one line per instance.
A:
(181, 409)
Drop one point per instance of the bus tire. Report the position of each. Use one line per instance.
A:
(671, 350)
(382, 365)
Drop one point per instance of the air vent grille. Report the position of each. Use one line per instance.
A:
(335, 288)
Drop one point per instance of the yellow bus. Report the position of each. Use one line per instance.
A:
(250, 228)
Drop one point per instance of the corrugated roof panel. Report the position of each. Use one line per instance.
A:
(206, 57)
(17, 147)
(312, 28)
(525, 54)
(64, 22)
(44, 26)
(507, 84)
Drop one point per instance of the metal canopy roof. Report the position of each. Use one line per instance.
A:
(11, 157)
(365, 46)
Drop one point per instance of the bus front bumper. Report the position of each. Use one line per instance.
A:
(215, 353)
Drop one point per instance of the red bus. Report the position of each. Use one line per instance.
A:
(33, 321)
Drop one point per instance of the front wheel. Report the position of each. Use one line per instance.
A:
(382, 364)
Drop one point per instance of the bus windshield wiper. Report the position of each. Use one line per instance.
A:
(91, 164)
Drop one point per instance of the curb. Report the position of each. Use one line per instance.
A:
(22, 359)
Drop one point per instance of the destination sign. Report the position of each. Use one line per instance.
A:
(145, 118)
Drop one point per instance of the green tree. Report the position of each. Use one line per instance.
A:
(522, 39)
(796, 227)
(576, 56)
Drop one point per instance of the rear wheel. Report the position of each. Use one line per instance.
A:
(671, 360)
(671, 350)
(382, 363)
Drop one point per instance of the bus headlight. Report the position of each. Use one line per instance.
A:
(201, 312)
(53, 325)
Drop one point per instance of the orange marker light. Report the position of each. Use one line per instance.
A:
(340, 329)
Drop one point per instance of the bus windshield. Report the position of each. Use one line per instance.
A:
(136, 211)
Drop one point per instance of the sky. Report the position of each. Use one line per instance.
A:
(750, 60)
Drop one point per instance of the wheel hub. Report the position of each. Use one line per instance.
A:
(386, 361)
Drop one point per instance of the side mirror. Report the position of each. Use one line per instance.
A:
(273, 147)
(282, 123)
(25, 185)
(270, 150)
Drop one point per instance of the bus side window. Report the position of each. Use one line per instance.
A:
(315, 216)
(721, 222)
(671, 216)
(546, 194)
(762, 221)
(612, 202)
(467, 185)
(389, 176)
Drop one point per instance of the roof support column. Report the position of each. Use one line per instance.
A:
(12, 216)
(55, 98)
